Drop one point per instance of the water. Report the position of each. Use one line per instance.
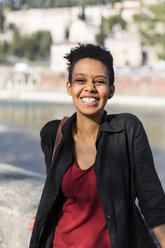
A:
(20, 125)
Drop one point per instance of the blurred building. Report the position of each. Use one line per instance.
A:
(67, 28)
(83, 31)
(58, 50)
(125, 49)
(55, 20)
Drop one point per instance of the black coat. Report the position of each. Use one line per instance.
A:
(124, 171)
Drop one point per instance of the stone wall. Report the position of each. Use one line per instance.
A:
(19, 197)
(141, 85)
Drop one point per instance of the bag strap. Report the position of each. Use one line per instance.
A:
(59, 135)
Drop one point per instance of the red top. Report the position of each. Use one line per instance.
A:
(82, 223)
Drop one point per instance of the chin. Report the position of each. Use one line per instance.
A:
(91, 113)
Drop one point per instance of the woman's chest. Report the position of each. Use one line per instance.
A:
(85, 154)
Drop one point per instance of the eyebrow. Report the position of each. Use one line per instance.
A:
(83, 74)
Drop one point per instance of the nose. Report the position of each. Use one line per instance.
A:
(90, 86)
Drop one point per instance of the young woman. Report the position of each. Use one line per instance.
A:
(102, 164)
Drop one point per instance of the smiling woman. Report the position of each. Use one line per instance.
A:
(90, 87)
(103, 163)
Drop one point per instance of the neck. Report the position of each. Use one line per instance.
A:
(87, 127)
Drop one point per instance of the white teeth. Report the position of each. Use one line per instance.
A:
(89, 99)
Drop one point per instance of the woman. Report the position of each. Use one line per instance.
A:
(102, 164)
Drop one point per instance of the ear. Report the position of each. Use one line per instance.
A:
(68, 87)
(111, 91)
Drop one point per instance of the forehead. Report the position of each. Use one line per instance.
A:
(89, 66)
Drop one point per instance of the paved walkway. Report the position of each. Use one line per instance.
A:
(63, 97)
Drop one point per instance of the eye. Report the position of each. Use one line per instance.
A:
(99, 81)
(80, 80)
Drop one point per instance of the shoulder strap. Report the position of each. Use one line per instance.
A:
(59, 135)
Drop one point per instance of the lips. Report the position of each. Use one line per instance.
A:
(90, 101)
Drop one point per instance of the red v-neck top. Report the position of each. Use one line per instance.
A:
(82, 223)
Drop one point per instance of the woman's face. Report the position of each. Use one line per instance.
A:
(90, 87)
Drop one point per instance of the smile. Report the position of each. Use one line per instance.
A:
(90, 100)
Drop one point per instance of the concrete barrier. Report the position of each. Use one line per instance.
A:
(20, 191)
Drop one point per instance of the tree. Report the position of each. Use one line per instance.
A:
(100, 37)
(152, 30)
(2, 17)
(114, 1)
(158, 10)
(110, 22)
(33, 47)
(38, 45)
(82, 15)
(4, 49)
(10, 4)
(67, 32)
(17, 46)
(18, 4)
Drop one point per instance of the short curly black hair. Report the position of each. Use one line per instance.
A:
(90, 51)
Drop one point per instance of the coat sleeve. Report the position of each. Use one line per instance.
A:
(48, 136)
(149, 191)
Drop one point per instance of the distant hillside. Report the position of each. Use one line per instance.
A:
(17, 4)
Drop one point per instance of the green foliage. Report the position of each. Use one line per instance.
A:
(38, 45)
(10, 4)
(161, 55)
(141, 19)
(100, 35)
(19, 4)
(110, 22)
(15, 5)
(17, 44)
(107, 25)
(82, 15)
(2, 54)
(12, 26)
(100, 39)
(4, 47)
(148, 29)
(114, 1)
(161, 52)
(159, 11)
(2, 17)
(34, 47)
(67, 33)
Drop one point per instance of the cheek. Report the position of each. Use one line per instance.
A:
(76, 89)
(104, 92)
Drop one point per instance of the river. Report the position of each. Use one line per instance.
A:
(20, 125)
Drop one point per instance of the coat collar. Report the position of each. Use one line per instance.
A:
(109, 123)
